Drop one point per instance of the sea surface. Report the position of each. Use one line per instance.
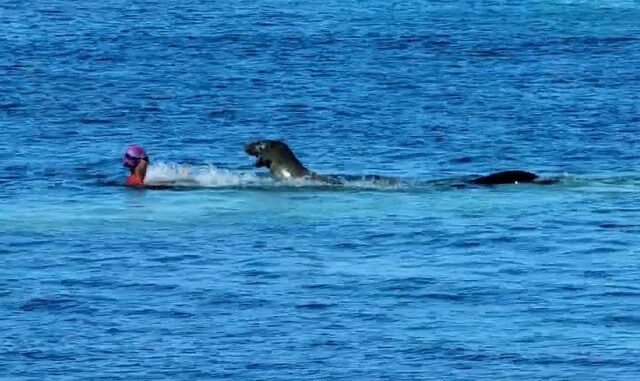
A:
(232, 275)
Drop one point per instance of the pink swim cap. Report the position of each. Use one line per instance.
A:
(132, 155)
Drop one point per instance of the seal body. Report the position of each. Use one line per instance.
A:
(506, 177)
(279, 158)
(283, 164)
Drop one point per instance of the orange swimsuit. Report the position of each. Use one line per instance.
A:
(134, 180)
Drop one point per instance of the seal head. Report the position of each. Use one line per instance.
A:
(278, 157)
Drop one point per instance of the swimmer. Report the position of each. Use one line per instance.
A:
(136, 159)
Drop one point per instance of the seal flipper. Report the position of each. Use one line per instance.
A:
(328, 179)
(506, 177)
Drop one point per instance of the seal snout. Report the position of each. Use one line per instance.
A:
(257, 149)
(250, 149)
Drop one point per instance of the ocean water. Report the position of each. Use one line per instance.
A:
(235, 276)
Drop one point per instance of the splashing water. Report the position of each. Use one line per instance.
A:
(207, 176)
(210, 176)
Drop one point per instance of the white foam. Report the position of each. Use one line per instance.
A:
(204, 176)
(211, 176)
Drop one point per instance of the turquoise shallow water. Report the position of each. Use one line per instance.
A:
(242, 278)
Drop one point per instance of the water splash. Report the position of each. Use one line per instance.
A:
(208, 176)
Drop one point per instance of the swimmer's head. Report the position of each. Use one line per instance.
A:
(132, 156)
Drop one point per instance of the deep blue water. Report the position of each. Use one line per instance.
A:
(243, 278)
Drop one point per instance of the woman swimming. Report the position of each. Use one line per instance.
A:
(136, 159)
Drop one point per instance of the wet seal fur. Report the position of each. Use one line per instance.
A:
(506, 177)
(284, 164)
(279, 158)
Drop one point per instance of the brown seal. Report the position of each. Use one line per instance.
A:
(279, 158)
(284, 164)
